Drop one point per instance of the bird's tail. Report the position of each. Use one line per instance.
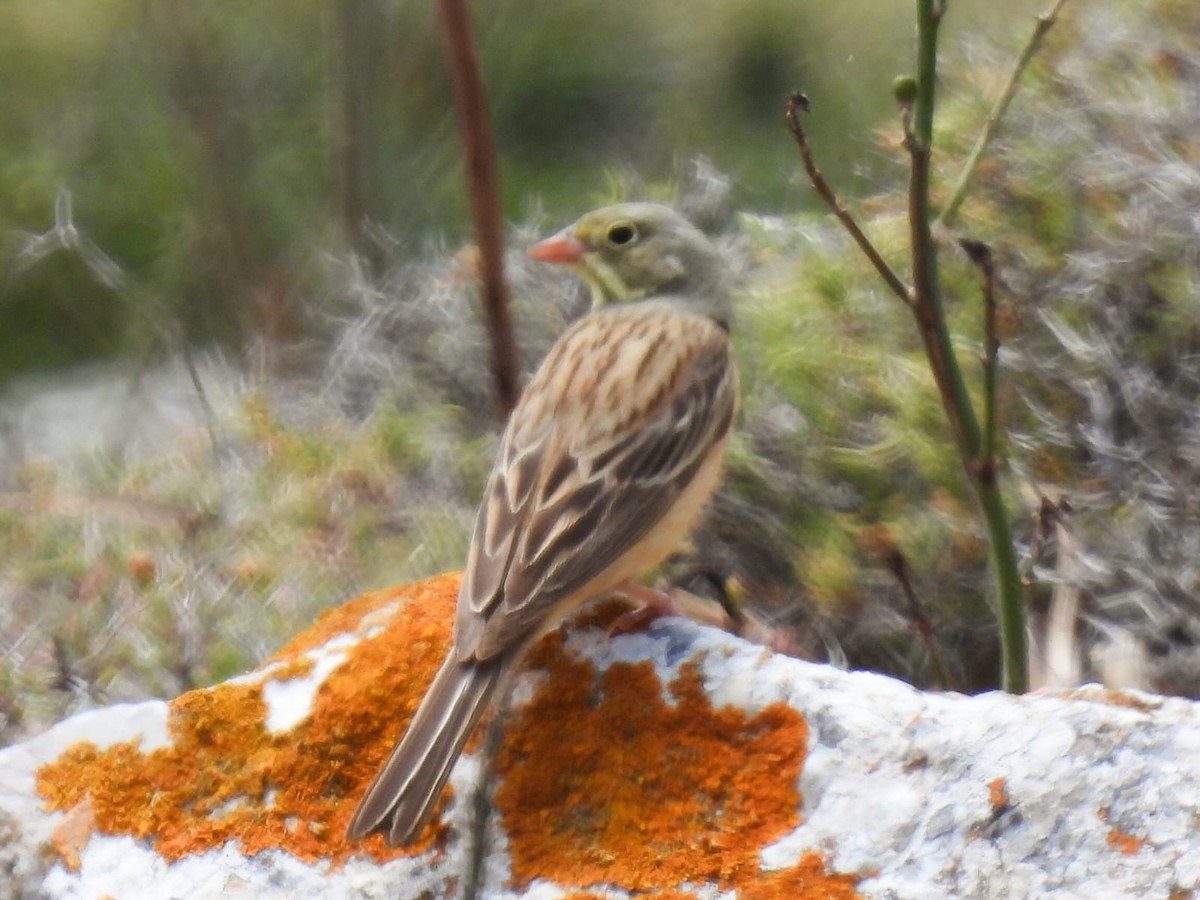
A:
(402, 798)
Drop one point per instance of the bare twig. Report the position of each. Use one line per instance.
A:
(481, 799)
(927, 296)
(922, 625)
(64, 674)
(925, 300)
(797, 104)
(357, 46)
(976, 447)
(879, 543)
(176, 335)
(1044, 23)
(1044, 521)
(470, 100)
(1056, 660)
(122, 510)
(981, 255)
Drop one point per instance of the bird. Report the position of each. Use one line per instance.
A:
(614, 448)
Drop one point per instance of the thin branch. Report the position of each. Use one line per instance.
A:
(881, 544)
(470, 100)
(481, 800)
(1043, 24)
(981, 255)
(1010, 591)
(184, 348)
(1045, 519)
(925, 300)
(107, 508)
(798, 103)
(931, 319)
(355, 40)
(927, 297)
(1055, 658)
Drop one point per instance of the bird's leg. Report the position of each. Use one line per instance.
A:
(654, 603)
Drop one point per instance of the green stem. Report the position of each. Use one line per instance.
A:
(1043, 24)
(928, 305)
(990, 361)
(929, 17)
(1011, 592)
(931, 319)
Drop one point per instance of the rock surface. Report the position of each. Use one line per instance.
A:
(679, 762)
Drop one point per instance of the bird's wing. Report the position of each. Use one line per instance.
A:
(614, 425)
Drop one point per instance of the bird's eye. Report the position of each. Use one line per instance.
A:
(621, 234)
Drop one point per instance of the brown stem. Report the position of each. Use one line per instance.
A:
(1055, 657)
(898, 566)
(981, 255)
(481, 800)
(470, 101)
(798, 103)
(355, 42)
(927, 304)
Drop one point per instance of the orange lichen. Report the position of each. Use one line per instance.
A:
(225, 777)
(601, 780)
(605, 782)
(809, 879)
(1122, 842)
(1112, 697)
(1125, 844)
(998, 793)
(287, 669)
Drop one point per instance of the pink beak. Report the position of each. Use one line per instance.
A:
(563, 248)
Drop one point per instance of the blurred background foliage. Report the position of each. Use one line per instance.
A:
(211, 150)
(278, 187)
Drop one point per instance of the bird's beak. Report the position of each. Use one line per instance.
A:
(563, 248)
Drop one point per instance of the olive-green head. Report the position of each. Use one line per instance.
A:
(642, 251)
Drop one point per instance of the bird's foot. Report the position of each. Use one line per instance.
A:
(650, 605)
(653, 603)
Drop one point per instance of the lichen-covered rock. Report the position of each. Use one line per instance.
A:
(677, 762)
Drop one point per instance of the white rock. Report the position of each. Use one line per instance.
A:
(1091, 794)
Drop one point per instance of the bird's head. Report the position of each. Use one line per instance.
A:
(641, 251)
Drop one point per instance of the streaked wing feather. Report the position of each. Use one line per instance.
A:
(501, 515)
(583, 518)
(403, 796)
